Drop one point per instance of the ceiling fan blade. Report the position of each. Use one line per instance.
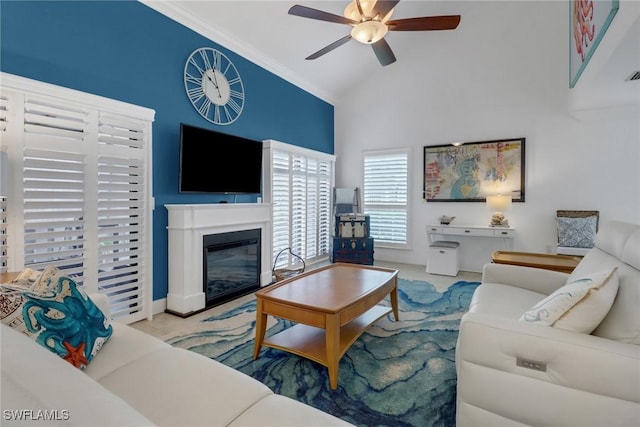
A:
(330, 47)
(384, 53)
(384, 6)
(427, 23)
(308, 12)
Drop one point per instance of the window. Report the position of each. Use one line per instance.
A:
(385, 194)
(81, 195)
(3, 187)
(298, 184)
(3, 234)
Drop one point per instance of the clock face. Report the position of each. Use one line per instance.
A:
(214, 86)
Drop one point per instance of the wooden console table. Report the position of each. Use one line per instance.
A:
(562, 263)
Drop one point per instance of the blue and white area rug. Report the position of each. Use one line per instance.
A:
(396, 374)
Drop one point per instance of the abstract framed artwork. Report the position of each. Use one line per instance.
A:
(589, 22)
(470, 171)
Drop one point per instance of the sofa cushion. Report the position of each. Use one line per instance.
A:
(618, 244)
(578, 306)
(34, 379)
(125, 346)
(280, 411)
(631, 250)
(503, 301)
(57, 314)
(177, 387)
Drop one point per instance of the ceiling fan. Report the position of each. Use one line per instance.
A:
(370, 20)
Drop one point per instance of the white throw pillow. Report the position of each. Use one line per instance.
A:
(578, 306)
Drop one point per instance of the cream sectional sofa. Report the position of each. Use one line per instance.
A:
(137, 380)
(514, 372)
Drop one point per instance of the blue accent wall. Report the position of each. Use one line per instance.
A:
(125, 50)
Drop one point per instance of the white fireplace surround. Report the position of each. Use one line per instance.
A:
(187, 225)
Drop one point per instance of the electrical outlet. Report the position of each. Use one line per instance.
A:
(531, 364)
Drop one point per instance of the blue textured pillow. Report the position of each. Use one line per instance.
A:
(57, 314)
(577, 232)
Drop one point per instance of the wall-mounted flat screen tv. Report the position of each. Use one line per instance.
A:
(215, 162)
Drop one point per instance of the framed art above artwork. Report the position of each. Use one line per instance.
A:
(589, 22)
(468, 172)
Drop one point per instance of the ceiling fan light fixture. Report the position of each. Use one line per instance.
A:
(369, 32)
(352, 12)
(368, 10)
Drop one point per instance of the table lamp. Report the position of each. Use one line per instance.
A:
(499, 203)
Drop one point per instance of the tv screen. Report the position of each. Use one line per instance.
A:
(214, 162)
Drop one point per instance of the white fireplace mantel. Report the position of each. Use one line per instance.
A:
(187, 225)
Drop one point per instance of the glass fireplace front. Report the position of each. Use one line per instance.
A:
(231, 265)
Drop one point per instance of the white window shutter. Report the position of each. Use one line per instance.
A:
(54, 180)
(299, 190)
(81, 188)
(280, 199)
(121, 227)
(386, 186)
(3, 186)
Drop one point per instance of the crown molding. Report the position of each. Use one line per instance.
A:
(172, 10)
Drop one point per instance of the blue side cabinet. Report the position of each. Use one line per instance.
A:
(352, 242)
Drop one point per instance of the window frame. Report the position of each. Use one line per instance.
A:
(104, 124)
(299, 179)
(367, 207)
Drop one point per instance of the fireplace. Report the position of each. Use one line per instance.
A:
(231, 265)
(187, 227)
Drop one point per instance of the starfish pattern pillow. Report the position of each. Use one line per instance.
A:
(57, 314)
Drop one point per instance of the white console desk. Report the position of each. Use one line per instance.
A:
(474, 252)
(469, 230)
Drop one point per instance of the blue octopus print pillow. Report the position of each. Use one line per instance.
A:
(58, 315)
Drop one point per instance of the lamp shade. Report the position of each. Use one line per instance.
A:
(499, 202)
(369, 32)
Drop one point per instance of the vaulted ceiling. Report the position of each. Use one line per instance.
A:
(266, 34)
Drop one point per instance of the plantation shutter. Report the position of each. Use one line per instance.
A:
(386, 184)
(80, 197)
(298, 186)
(281, 201)
(298, 206)
(54, 181)
(121, 192)
(3, 187)
(325, 188)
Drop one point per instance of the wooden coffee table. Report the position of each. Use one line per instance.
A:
(332, 307)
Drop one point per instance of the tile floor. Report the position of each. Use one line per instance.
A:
(166, 326)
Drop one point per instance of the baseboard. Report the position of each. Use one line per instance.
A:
(159, 306)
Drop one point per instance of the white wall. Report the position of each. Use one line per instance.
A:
(485, 81)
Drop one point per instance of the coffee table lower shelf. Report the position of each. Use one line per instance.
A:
(310, 342)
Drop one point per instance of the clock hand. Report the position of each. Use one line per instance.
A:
(208, 77)
(216, 83)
